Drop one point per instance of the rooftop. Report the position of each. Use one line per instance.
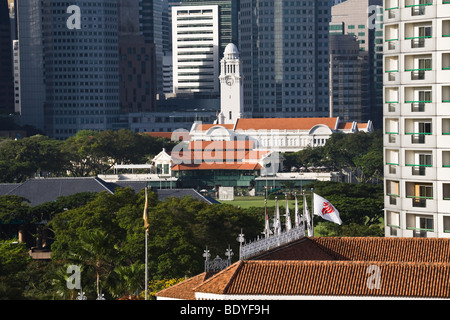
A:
(334, 267)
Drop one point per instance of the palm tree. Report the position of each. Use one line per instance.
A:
(131, 279)
(95, 252)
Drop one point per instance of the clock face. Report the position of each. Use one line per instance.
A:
(229, 80)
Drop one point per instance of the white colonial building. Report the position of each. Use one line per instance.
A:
(417, 118)
(278, 134)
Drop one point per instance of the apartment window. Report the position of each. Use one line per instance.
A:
(447, 221)
(422, 161)
(419, 193)
(393, 191)
(446, 191)
(421, 129)
(393, 222)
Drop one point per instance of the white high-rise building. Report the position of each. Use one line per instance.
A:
(195, 49)
(417, 118)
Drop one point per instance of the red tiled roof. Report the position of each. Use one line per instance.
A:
(218, 156)
(338, 266)
(221, 145)
(284, 123)
(183, 290)
(331, 278)
(345, 125)
(217, 166)
(206, 126)
(364, 249)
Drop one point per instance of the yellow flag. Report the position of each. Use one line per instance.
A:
(146, 224)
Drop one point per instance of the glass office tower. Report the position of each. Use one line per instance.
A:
(285, 57)
(81, 67)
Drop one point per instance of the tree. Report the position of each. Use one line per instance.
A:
(14, 258)
(22, 159)
(92, 152)
(360, 207)
(359, 153)
(95, 251)
(130, 280)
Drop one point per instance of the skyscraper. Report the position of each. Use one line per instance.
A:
(6, 65)
(349, 79)
(417, 118)
(363, 19)
(195, 45)
(31, 61)
(285, 57)
(228, 19)
(137, 63)
(151, 24)
(81, 66)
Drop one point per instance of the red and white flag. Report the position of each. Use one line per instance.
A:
(326, 210)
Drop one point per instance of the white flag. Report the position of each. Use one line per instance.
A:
(297, 214)
(267, 230)
(277, 222)
(308, 217)
(288, 217)
(326, 210)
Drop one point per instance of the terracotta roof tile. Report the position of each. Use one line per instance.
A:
(284, 123)
(364, 249)
(207, 126)
(386, 248)
(331, 278)
(338, 266)
(217, 166)
(218, 156)
(183, 290)
(221, 145)
(345, 125)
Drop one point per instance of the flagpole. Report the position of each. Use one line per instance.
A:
(312, 211)
(146, 265)
(146, 226)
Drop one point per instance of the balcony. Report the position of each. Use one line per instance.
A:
(392, 107)
(418, 35)
(392, 137)
(391, 45)
(419, 195)
(391, 77)
(418, 169)
(443, 10)
(414, 9)
(392, 11)
(418, 137)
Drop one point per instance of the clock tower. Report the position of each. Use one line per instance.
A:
(231, 86)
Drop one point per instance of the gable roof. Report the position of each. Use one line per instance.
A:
(338, 266)
(184, 290)
(207, 126)
(330, 278)
(285, 123)
(42, 190)
(363, 249)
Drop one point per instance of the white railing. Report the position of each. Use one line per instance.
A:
(250, 249)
